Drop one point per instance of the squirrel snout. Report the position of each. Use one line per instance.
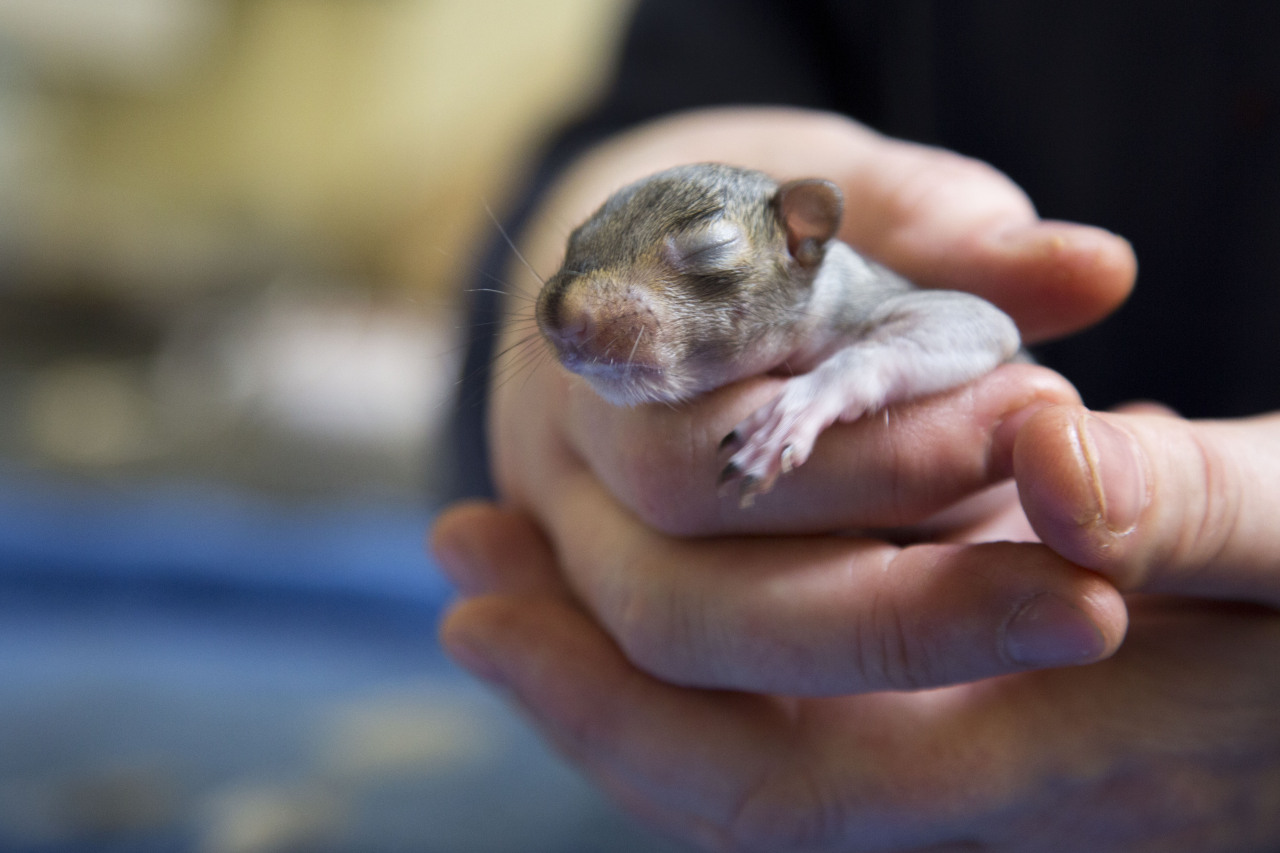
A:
(564, 319)
(601, 325)
(573, 327)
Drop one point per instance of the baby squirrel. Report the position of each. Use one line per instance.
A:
(704, 274)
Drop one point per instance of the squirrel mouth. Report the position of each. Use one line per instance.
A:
(593, 365)
(624, 383)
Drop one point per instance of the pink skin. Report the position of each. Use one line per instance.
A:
(614, 588)
(921, 342)
(1170, 745)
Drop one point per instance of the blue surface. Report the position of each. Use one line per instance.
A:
(187, 668)
(192, 535)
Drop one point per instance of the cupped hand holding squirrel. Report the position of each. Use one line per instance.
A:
(615, 586)
(705, 274)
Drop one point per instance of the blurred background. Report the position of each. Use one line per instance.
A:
(232, 238)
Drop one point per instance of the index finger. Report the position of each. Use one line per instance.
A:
(890, 469)
(821, 615)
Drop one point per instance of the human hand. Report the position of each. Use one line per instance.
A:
(809, 615)
(611, 485)
(1171, 745)
(940, 219)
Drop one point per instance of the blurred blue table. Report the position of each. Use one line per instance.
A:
(191, 668)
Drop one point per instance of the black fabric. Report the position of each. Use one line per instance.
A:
(1159, 121)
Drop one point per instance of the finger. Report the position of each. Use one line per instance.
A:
(888, 469)
(681, 756)
(903, 770)
(485, 548)
(949, 221)
(733, 771)
(826, 615)
(556, 662)
(941, 219)
(1157, 503)
(1146, 407)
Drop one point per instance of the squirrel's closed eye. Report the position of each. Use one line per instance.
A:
(704, 248)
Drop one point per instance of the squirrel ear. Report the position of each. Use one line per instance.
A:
(810, 211)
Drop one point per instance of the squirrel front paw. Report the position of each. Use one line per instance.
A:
(776, 439)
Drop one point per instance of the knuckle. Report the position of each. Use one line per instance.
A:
(649, 633)
(891, 653)
(892, 650)
(1210, 520)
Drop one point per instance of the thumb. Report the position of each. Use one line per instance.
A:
(1157, 503)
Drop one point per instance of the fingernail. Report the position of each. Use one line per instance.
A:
(1050, 238)
(1048, 631)
(1115, 473)
(731, 472)
(1015, 237)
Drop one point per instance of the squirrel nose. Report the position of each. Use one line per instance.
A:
(574, 327)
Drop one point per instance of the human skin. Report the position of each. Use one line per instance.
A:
(1169, 745)
(735, 675)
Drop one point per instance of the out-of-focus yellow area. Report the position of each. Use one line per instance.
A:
(233, 236)
(149, 135)
(229, 227)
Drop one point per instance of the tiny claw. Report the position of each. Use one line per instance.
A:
(729, 440)
(730, 473)
(787, 459)
(747, 493)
